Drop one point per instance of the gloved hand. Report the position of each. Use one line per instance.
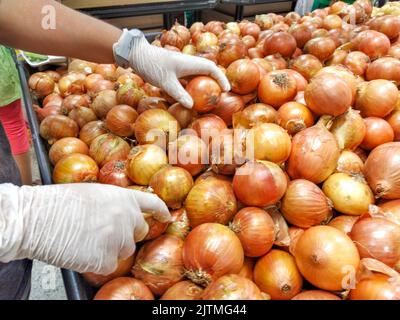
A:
(163, 68)
(82, 227)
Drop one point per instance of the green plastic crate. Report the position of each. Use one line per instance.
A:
(325, 3)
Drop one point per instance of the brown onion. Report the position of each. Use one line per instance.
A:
(129, 94)
(307, 65)
(348, 129)
(259, 183)
(305, 205)
(66, 146)
(156, 228)
(243, 75)
(232, 287)
(255, 230)
(375, 287)
(205, 92)
(144, 161)
(115, 172)
(394, 51)
(394, 120)
(52, 99)
(124, 289)
(188, 152)
(159, 263)
(321, 47)
(301, 34)
(183, 290)
(373, 43)
(277, 88)
(378, 132)
(325, 256)
(91, 81)
(179, 225)
(277, 275)
(172, 185)
(384, 68)
(207, 126)
(57, 127)
(108, 147)
(229, 103)
(387, 24)
(316, 294)
(301, 82)
(338, 57)
(357, 62)
(270, 142)
(349, 194)
(73, 101)
(183, 115)
(82, 66)
(49, 110)
(247, 268)
(211, 200)
(377, 238)
(328, 95)
(41, 84)
(294, 117)
(220, 253)
(75, 168)
(104, 102)
(72, 83)
(249, 42)
(82, 116)
(91, 131)
(231, 50)
(120, 120)
(314, 155)
(343, 223)
(253, 115)
(108, 71)
(280, 42)
(264, 21)
(152, 103)
(100, 85)
(349, 162)
(205, 40)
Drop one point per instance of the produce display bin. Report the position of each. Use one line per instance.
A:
(241, 3)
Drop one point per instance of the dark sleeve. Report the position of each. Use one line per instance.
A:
(8, 169)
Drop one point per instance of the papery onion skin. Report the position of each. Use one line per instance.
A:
(156, 228)
(349, 194)
(159, 263)
(108, 147)
(220, 253)
(270, 141)
(82, 116)
(294, 117)
(349, 162)
(328, 95)
(375, 287)
(156, 126)
(349, 130)
(255, 230)
(231, 50)
(123, 269)
(357, 62)
(321, 47)
(259, 183)
(73, 101)
(229, 103)
(75, 168)
(124, 289)
(210, 200)
(243, 75)
(205, 92)
(280, 42)
(49, 110)
(179, 225)
(183, 115)
(338, 57)
(41, 84)
(394, 120)
(314, 155)
(253, 115)
(232, 287)
(188, 152)
(307, 65)
(377, 238)
(115, 172)
(104, 102)
(277, 88)
(384, 68)
(120, 120)
(322, 253)
(144, 161)
(183, 290)
(130, 94)
(53, 99)
(381, 171)
(343, 223)
(315, 295)
(305, 205)
(276, 61)
(376, 98)
(66, 146)
(172, 185)
(207, 126)
(378, 132)
(57, 127)
(301, 33)
(91, 131)
(152, 103)
(277, 275)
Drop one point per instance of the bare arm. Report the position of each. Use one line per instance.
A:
(75, 34)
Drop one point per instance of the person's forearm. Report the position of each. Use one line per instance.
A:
(75, 35)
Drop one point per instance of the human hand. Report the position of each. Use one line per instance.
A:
(82, 227)
(164, 68)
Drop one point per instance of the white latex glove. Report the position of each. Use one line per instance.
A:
(163, 68)
(82, 227)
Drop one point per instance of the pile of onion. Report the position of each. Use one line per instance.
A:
(67, 146)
